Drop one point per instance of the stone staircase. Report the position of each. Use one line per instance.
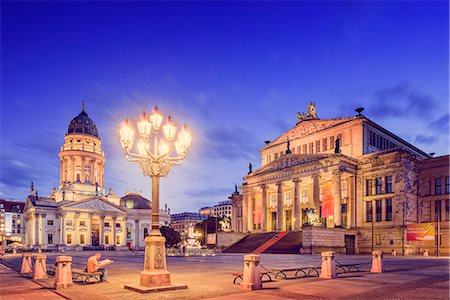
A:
(289, 244)
(269, 242)
(250, 243)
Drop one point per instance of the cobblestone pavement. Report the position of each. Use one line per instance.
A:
(410, 277)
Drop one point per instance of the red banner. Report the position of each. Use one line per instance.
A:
(258, 211)
(327, 199)
(420, 232)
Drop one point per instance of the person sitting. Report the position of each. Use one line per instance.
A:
(93, 265)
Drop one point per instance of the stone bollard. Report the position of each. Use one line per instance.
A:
(63, 272)
(40, 266)
(26, 263)
(377, 262)
(40, 251)
(394, 253)
(425, 253)
(14, 251)
(251, 277)
(328, 270)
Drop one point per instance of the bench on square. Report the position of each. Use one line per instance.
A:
(238, 275)
(85, 277)
(299, 272)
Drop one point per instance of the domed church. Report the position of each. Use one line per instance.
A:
(79, 214)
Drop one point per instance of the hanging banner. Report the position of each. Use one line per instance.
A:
(420, 232)
(327, 199)
(258, 211)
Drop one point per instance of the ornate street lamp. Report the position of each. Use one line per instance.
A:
(155, 155)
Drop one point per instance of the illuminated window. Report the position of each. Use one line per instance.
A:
(377, 239)
(118, 240)
(288, 198)
(378, 185)
(389, 209)
(378, 210)
(438, 186)
(82, 223)
(344, 189)
(388, 184)
(369, 211)
(128, 232)
(273, 201)
(69, 239)
(81, 238)
(107, 239)
(304, 196)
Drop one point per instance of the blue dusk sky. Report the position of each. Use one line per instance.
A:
(236, 72)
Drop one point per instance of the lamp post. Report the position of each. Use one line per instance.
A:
(155, 155)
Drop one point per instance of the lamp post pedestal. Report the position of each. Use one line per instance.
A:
(155, 269)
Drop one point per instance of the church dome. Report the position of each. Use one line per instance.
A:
(83, 124)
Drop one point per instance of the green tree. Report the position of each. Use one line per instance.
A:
(172, 236)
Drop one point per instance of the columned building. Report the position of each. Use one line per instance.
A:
(348, 183)
(78, 213)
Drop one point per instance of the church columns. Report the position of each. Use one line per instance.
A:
(316, 192)
(76, 239)
(245, 211)
(73, 168)
(297, 215)
(114, 220)
(351, 204)
(250, 211)
(264, 208)
(36, 232)
(136, 233)
(61, 170)
(337, 198)
(82, 179)
(62, 224)
(89, 241)
(280, 206)
(102, 231)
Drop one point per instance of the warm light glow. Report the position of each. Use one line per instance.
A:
(170, 129)
(179, 148)
(126, 135)
(163, 149)
(185, 137)
(156, 118)
(144, 126)
(143, 148)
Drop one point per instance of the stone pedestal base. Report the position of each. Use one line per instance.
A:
(328, 270)
(152, 279)
(377, 262)
(155, 277)
(150, 289)
(251, 279)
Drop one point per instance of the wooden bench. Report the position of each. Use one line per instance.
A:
(85, 277)
(262, 274)
(305, 271)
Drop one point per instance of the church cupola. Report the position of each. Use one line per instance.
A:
(82, 160)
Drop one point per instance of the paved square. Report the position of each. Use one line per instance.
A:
(210, 278)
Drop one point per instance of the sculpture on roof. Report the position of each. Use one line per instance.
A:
(311, 113)
(250, 168)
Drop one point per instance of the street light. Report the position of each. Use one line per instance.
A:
(155, 156)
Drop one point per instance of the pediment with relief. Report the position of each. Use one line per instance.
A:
(288, 161)
(308, 127)
(94, 204)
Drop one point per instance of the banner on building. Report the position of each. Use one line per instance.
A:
(420, 232)
(211, 239)
(327, 199)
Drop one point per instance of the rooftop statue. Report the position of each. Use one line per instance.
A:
(311, 114)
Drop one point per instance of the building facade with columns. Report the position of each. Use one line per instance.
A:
(349, 184)
(78, 214)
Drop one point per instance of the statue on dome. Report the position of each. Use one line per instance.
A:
(250, 166)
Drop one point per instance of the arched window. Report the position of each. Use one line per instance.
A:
(145, 232)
